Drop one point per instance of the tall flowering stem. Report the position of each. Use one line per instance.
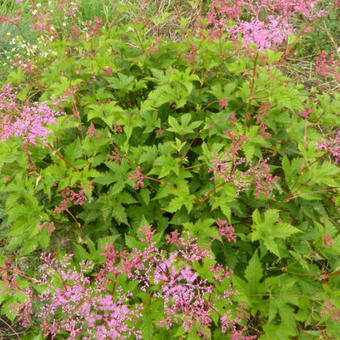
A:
(137, 174)
(75, 199)
(227, 168)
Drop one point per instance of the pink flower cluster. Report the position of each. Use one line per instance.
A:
(23, 120)
(325, 67)
(226, 231)
(71, 302)
(227, 168)
(331, 310)
(6, 18)
(327, 240)
(264, 32)
(332, 146)
(191, 56)
(264, 35)
(137, 174)
(92, 132)
(260, 120)
(73, 197)
(87, 310)
(187, 299)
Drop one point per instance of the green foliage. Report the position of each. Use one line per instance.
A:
(162, 114)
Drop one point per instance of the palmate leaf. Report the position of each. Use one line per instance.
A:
(204, 230)
(184, 198)
(268, 229)
(183, 128)
(177, 202)
(122, 83)
(286, 312)
(274, 331)
(166, 165)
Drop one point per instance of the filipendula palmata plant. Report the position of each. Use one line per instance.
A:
(205, 136)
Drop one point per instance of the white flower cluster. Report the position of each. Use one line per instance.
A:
(21, 49)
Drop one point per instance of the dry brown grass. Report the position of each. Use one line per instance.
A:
(178, 10)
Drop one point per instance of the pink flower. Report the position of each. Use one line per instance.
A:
(325, 67)
(91, 132)
(71, 302)
(6, 18)
(332, 146)
(261, 34)
(23, 120)
(331, 310)
(305, 114)
(146, 231)
(191, 57)
(137, 174)
(328, 241)
(265, 33)
(223, 102)
(227, 168)
(226, 231)
(73, 197)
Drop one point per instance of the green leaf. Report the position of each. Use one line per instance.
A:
(147, 324)
(104, 180)
(119, 213)
(254, 271)
(272, 246)
(29, 246)
(249, 150)
(193, 335)
(44, 238)
(284, 230)
(184, 198)
(267, 229)
(257, 217)
(270, 217)
(164, 191)
(166, 164)
(73, 151)
(123, 82)
(175, 204)
(183, 128)
(132, 243)
(106, 240)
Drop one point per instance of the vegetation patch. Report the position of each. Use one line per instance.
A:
(169, 169)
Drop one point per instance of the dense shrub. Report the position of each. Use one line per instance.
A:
(109, 130)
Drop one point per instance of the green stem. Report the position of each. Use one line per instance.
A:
(252, 87)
